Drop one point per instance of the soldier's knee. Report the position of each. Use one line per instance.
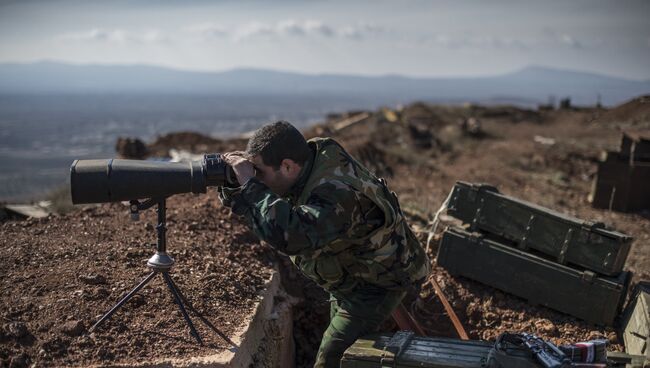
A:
(331, 350)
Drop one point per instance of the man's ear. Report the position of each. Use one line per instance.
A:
(290, 167)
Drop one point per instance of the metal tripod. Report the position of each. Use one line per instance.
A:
(161, 263)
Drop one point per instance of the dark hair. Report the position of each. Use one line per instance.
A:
(276, 141)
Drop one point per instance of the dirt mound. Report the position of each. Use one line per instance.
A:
(192, 142)
(387, 139)
(486, 313)
(507, 113)
(59, 274)
(634, 112)
(421, 114)
(131, 148)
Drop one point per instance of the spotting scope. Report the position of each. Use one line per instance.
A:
(115, 180)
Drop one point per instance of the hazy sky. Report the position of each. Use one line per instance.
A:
(416, 38)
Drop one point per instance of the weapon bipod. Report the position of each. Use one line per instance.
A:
(161, 263)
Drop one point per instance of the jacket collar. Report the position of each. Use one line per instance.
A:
(305, 172)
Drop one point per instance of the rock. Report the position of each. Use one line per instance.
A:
(595, 335)
(491, 318)
(17, 330)
(43, 328)
(103, 354)
(19, 361)
(92, 279)
(137, 301)
(73, 328)
(546, 327)
(612, 337)
(100, 293)
(130, 148)
(56, 347)
(474, 311)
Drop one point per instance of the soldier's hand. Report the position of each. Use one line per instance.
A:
(243, 168)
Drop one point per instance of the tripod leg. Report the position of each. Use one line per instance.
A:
(124, 300)
(178, 300)
(205, 320)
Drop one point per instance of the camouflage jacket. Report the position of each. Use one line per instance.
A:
(340, 224)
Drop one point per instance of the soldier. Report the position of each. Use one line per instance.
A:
(339, 224)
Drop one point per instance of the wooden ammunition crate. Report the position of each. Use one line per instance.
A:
(568, 240)
(403, 350)
(583, 294)
(636, 324)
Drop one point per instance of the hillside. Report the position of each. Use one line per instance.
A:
(545, 157)
(528, 86)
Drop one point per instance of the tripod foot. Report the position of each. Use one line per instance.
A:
(205, 320)
(178, 300)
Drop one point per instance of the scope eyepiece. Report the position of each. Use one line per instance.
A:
(218, 172)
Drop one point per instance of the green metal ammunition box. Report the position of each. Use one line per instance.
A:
(623, 360)
(635, 147)
(566, 239)
(636, 323)
(583, 294)
(621, 184)
(405, 350)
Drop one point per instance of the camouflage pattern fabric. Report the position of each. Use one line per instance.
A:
(340, 224)
(353, 317)
(344, 229)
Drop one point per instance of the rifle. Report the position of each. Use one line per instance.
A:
(544, 352)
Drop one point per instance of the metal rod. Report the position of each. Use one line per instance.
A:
(162, 229)
(124, 300)
(178, 300)
(450, 311)
(205, 320)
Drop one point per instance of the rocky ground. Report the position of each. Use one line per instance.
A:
(60, 273)
(545, 157)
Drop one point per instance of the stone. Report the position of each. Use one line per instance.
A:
(17, 330)
(19, 361)
(595, 335)
(131, 148)
(546, 327)
(73, 328)
(92, 279)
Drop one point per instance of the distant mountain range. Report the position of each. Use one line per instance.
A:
(530, 85)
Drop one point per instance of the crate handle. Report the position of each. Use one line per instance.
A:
(394, 347)
(588, 276)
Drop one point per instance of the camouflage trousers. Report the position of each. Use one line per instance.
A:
(352, 316)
